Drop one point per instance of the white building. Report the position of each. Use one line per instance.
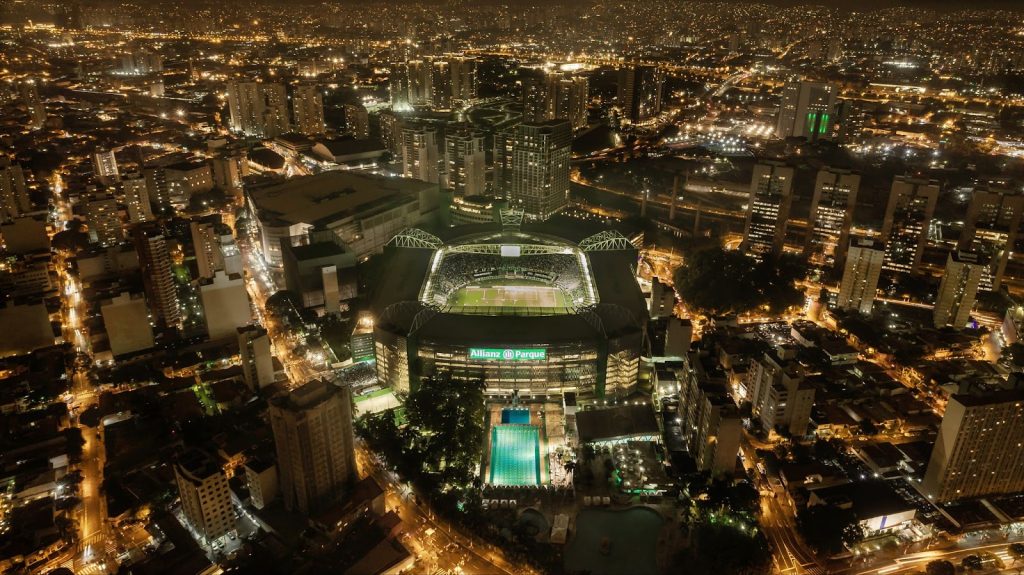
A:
(225, 305)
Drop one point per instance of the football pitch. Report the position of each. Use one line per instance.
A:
(509, 296)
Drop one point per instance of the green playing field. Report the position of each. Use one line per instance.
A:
(530, 296)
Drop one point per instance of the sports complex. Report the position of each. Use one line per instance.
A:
(537, 311)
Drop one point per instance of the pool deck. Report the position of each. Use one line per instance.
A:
(494, 418)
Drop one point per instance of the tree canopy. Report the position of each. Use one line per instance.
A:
(828, 529)
(717, 281)
(720, 548)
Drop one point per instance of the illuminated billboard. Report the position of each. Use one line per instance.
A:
(506, 354)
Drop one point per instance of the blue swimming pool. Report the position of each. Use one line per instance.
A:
(515, 415)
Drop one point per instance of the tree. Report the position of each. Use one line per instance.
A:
(723, 548)
(1016, 551)
(971, 563)
(828, 529)
(940, 567)
(717, 282)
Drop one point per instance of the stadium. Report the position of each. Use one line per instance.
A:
(534, 310)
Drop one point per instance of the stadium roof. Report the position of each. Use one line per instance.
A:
(616, 423)
(331, 196)
(620, 307)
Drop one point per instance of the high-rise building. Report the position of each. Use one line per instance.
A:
(780, 396)
(205, 242)
(532, 166)
(276, 119)
(140, 62)
(771, 194)
(711, 424)
(551, 95)
(315, 444)
(357, 121)
(466, 162)
(205, 495)
(398, 87)
(420, 74)
(978, 449)
(245, 104)
(225, 305)
(257, 361)
(958, 289)
(640, 89)
(14, 199)
(807, 110)
(860, 276)
(104, 220)
(831, 215)
(463, 71)
(663, 299)
(308, 109)
(992, 228)
(257, 109)
(104, 166)
(156, 186)
(136, 198)
(391, 132)
(228, 170)
(261, 478)
(441, 85)
(907, 217)
(34, 105)
(155, 263)
(420, 154)
(126, 319)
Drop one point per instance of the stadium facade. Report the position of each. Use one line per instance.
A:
(538, 309)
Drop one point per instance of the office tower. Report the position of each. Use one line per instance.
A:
(831, 215)
(466, 162)
(441, 85)
(259, 110)
(860, 276)
(771, 194)
(206, 244)
(958, 289)
(992, 228)
(532, 167)
(205, 495)
(663, 299)
(640, 90)
(29, 92)
(978, 449)
(155, 263)
(357, 121)
(711, 422)
(420, 153)
(463, 83)
(225, 305)
(907, 217)
(308, 109)
(14, 200)
(806, 110)
(104, 166)
(315, 444)
(257, 362)
(780, 396)
(126, 319)
(104, 220)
